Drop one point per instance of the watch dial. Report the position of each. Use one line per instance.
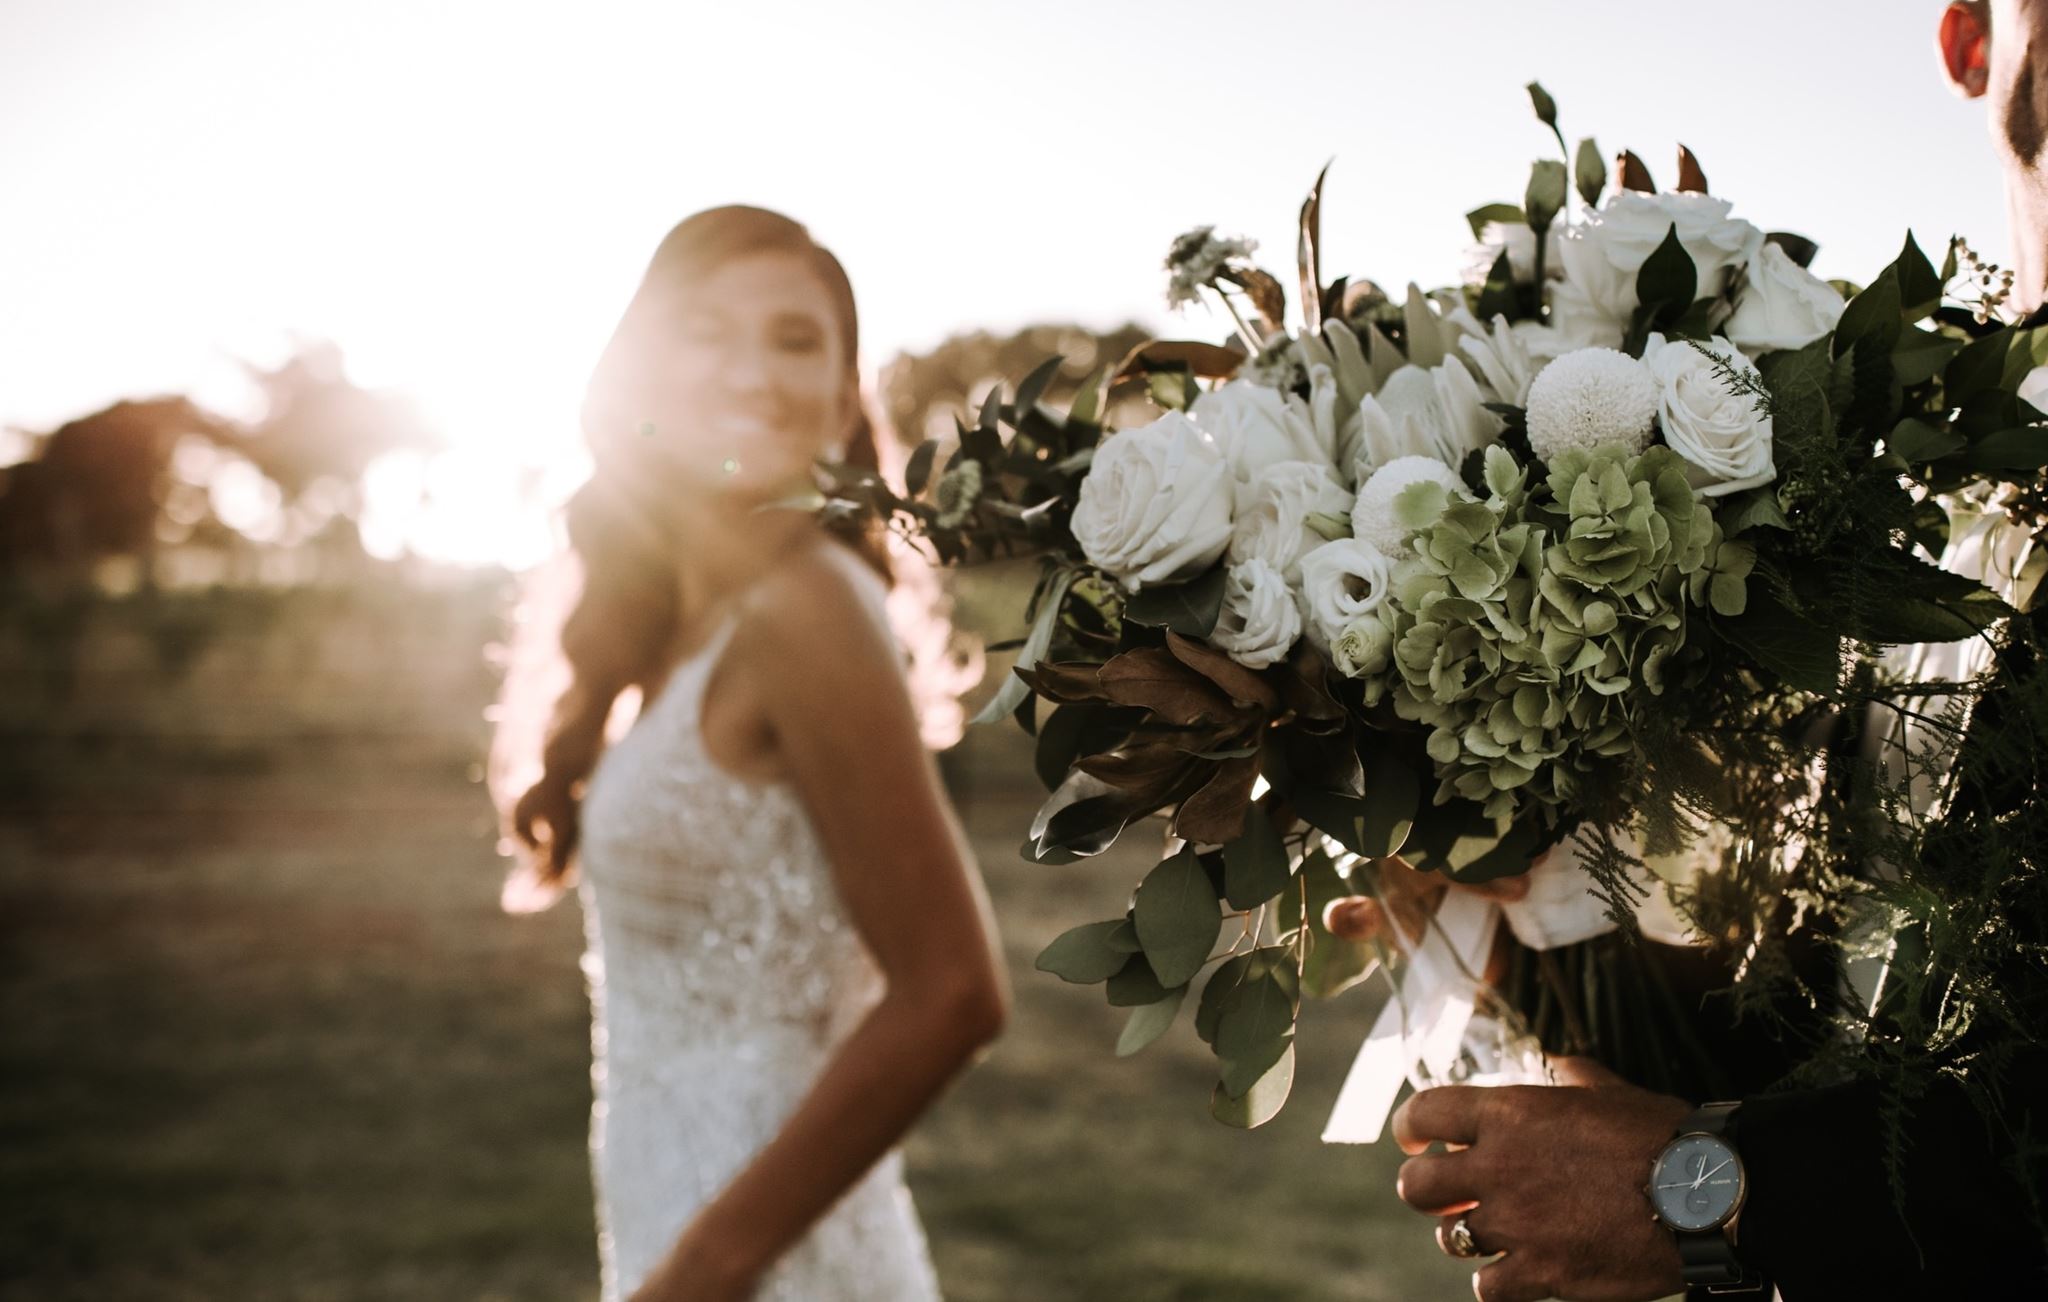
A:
(1697, 1183)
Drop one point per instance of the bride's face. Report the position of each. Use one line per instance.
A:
(753, 382)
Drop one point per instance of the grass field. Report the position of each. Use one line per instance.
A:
(265, 1035)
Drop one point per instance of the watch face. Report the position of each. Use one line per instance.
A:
(1697, 1183)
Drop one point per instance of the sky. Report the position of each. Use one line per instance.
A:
(463, 194)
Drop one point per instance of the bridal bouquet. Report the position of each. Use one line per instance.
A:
(1575, 552)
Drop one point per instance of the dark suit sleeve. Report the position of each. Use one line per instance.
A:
(1821, 1220)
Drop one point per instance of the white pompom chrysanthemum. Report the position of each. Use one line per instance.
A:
(1372, 515)
(1591, 397)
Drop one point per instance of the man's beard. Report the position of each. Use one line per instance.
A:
(2024, 115)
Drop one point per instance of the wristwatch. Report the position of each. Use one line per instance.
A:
(1697, 1187)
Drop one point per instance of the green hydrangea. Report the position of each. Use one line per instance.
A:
(1530, 627)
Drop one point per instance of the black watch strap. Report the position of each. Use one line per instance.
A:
(1706, 1259)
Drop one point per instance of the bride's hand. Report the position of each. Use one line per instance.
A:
(545, 821)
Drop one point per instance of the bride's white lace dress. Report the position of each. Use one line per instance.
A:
(722, 972)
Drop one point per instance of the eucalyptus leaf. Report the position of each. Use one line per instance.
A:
(1255, 865)
(1135, 985)
(1222, 984)
(1259, 1104)
(1334, 964)
(1083, 954)
(1148, 1022)
(1177, 917)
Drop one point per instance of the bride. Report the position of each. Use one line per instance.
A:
(790, 953)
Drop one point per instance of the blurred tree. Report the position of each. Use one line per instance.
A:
(318, 426)
(923, 392)
(95, 486)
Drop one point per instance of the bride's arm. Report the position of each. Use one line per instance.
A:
(849, 739)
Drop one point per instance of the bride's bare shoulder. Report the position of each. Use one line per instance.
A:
(823, 601)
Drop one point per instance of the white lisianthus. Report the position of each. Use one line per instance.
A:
(1256, 427)
(1273, 514)
(1342, 581)
(1603, 250)
(1372, 517)
(1437, 411)
(1721, 429)
(1510, 357)
(1518, 241)
(1591, 397)
(1781, 304)
(1155, 506)
(1259, 621)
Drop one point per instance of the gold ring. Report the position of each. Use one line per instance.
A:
(1459, 1241)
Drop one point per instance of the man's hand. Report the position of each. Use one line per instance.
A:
(1550, 1178)
(1413, 898)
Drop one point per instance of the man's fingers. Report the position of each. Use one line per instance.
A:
(1449, 1113)
(1504, 889)
(1589, 1072)
(1512, 1278)
(1439, 1184)
(1485, 1239)
(1353, 917)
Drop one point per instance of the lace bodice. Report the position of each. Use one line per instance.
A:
(722, 971)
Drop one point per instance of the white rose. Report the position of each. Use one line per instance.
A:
(1436, 411)
(1259, 622)
(1272, 520)
(1603, 251)
(1782, 305)
(1342, 582)
(1721, 431)
(1258, 427)
(1155, 505)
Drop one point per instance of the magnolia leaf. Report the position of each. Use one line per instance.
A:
(1875, 315)
(1190, 608)
(1921, 355)
(1668, 279)
(1190, 357)
(1178, 921)
(1919, 286)
(1255, 866)
(1691, 179)
(1392, 793)
(1497, 293)
(1083, 954)
(1630, 174)
(1261, 1102)
(1309, 254)
(1215, 815)
(1268, 299)
(2025, 448)
(1015, 688)
(1151, 678)
(1139, 767)
(1918, 442)
(1978, 367)
(1243, 686)
(1033, 385)
(1788, 644)
(918, 472)
(1150, 1021)
(1797, 247)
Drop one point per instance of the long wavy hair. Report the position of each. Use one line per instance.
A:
(590, 630)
